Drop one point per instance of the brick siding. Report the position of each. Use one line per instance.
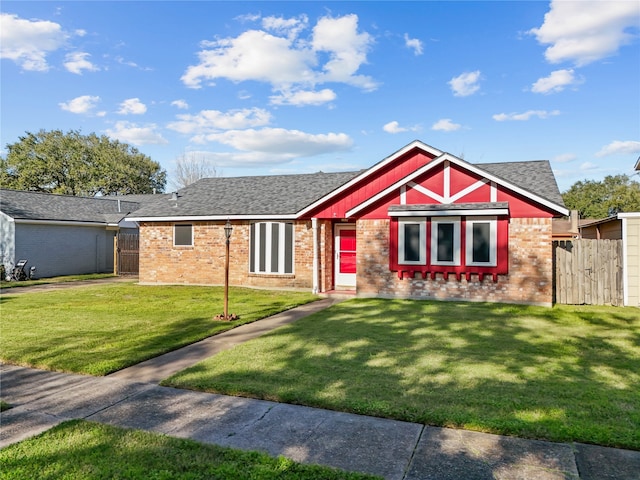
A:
(203, 263)
(529, 279)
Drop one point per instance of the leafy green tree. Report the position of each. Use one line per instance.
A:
(75, 164)
(617, 193)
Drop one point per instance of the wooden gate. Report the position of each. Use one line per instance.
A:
(588, 272)
(127, 253)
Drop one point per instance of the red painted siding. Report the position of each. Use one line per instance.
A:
(433, 180)
(372, 185)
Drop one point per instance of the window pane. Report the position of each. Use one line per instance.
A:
(481, 242)
(445, 242)
(411, 242)
(288, 248)
(275, 234)
(183, 235)
(262, 256)
(252, 249)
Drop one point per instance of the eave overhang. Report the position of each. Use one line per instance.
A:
(447, 210)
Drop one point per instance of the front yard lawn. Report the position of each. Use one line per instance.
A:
(568, 373)
(64, 279)
(78, 450)
(101, 329)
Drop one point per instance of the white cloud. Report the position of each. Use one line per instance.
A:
(282, 143)
(289, 27)
(27, 42)
(565, 157)
(618, 147)
(446, 125)
(556, 82)
(78, 61)
(465, 84)
(394, 127)
(285, 60)
(414, 44)
(585, 31)
(209, 121)
(81, 105)
(303, 97)
(254, 55)
(502, 117)
(181, 104)
(586, 166)
(132, 106)
(347, 50)
(137, 135)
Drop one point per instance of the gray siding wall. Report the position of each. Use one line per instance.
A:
(64, 249)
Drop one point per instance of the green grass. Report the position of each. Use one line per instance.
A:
(78, 450)
(43, 281)
(101, 329)
(4, 406)
(561, 374)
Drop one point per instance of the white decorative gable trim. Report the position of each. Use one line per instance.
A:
(447, 198)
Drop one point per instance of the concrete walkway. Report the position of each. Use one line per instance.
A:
(159, 368)
(392, 449)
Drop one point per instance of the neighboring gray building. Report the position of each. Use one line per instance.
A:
(62, 234)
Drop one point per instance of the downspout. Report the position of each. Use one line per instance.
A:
(314, 227)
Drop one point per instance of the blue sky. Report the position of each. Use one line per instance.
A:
(296, 87)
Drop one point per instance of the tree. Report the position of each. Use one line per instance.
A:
(75, 164)
(191, 168)
(594, 199)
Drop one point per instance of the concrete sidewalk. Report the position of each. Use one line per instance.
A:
(392, 449)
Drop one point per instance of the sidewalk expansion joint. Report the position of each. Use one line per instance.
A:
(413, 453)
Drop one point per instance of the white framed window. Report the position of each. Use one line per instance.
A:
(271, 248)
(183, 235)
(412, 241)
(445, 241)
(481, 241)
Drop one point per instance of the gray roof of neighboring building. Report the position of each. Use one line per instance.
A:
(259, 195)
(25, 205)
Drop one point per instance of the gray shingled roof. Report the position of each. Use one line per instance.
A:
(25, 205)
(259, 195)
(533, 176)
(231, 196)
(289, 194)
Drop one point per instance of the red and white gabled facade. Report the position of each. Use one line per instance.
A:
(419, 224)
(447, 225)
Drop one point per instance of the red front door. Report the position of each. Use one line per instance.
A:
(345, 261)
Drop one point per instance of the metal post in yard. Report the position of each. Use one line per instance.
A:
(227, 233)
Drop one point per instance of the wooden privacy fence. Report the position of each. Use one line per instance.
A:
(588, 272)
(127, 253)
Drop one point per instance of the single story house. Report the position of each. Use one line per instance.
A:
(625, 227)
(421, 223)
(62, 234)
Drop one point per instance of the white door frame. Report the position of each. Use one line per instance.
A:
(347, 280)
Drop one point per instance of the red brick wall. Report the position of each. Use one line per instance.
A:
(203, 263)
(529, 279)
